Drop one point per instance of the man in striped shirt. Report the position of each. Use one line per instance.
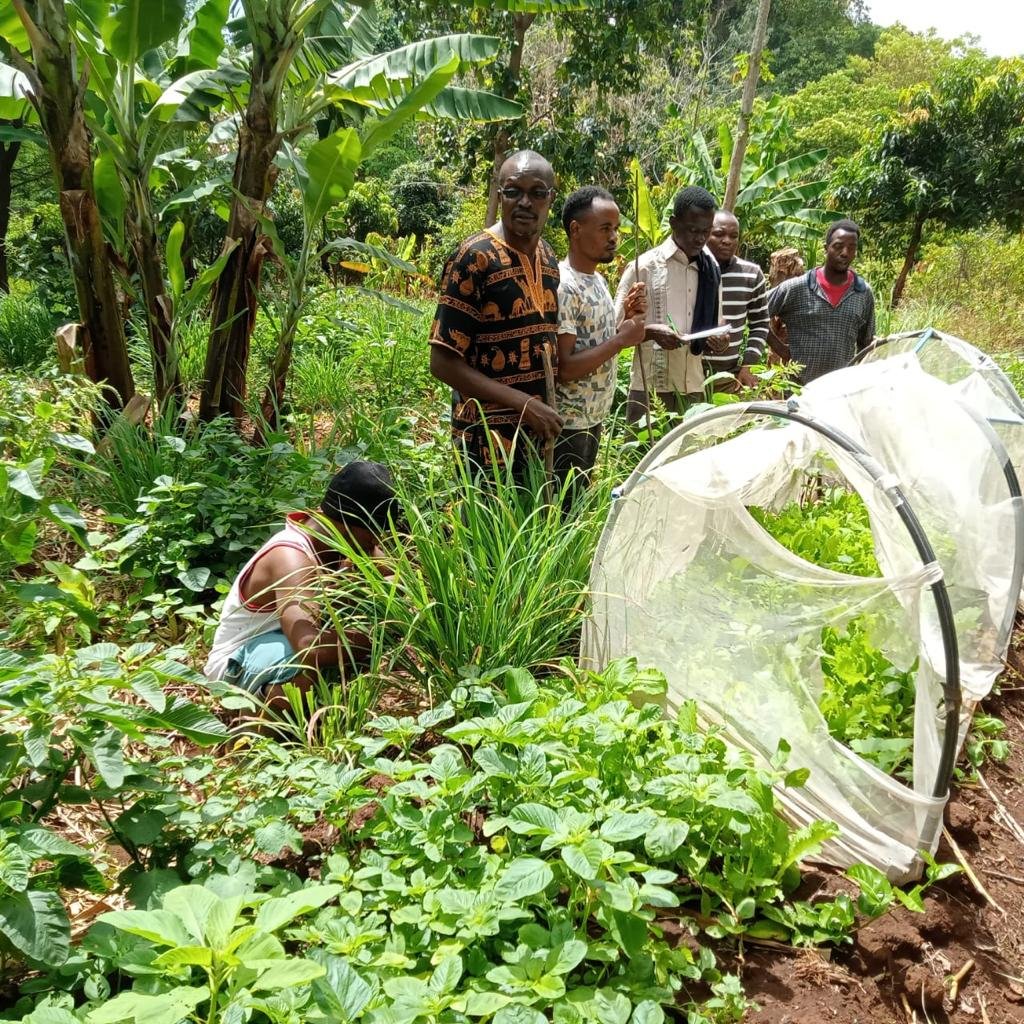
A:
(744, 303)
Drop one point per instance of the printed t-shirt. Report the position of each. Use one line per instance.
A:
(587, 310)
(498, 310)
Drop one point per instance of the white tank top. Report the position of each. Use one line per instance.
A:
(240, 620)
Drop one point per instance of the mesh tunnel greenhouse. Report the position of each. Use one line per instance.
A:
(686, 579)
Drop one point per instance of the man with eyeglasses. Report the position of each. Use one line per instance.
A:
(497, 314)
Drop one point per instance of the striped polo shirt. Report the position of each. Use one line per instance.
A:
(744, 304)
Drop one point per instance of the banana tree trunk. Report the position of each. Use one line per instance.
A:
(235, 296)
(236, 293)
(273, 396)
(57, 94)
(146, 246)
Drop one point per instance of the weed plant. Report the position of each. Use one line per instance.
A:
(133, 457)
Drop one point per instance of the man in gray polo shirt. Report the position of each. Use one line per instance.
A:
(826, 316)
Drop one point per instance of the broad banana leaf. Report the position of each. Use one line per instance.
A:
(135, 26)
(414, 61)
(423, 93)
(472, 105)
(201, 39)
(339, 33)
(330, 172)
(110, 197)
(772, 176)
(645, 217)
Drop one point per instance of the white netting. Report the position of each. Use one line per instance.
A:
(685, 579)
(975, 378)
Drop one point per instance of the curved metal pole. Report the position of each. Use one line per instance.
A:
(952, 697)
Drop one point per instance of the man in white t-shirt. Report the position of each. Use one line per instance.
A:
(590, 335)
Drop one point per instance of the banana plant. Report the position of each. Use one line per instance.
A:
(154, 76)
(325, 174)
(777, 197)
(41, 46)
(311, 60)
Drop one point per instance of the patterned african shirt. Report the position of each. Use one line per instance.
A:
(498, 314)
(587, 310)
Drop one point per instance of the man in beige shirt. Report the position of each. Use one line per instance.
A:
(683, 285)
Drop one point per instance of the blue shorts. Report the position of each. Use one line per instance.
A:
(264, 660)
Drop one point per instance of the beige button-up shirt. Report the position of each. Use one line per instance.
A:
(671, 279)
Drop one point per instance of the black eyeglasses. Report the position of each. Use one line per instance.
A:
(538, 195)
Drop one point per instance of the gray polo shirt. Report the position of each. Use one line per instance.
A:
(821, 336)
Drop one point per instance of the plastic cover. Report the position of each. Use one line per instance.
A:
(975, 378)
(686, 580)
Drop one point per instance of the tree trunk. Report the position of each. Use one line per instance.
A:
(909, 258)
(8, 156)
(739, 149)
(234, 303)
(146, 247)
(520, 24)
(273, 396)
(57, 95)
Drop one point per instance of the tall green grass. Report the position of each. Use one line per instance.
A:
(131, 458)
(970, 284)
(26, 330)
(355, 347)
(485, 577)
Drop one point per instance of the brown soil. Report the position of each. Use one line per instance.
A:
(900, 966)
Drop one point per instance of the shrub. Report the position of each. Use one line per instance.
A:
(37, 253)
(468, 214)
(191, 508)
(26, 329)
(971, 286)
(367, 208)
(421, 200)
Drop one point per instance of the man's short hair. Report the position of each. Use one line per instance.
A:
(693, 197)
(363, 494)
(842, 225)
(578, 202)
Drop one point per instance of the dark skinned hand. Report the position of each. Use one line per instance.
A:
(542, 419)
